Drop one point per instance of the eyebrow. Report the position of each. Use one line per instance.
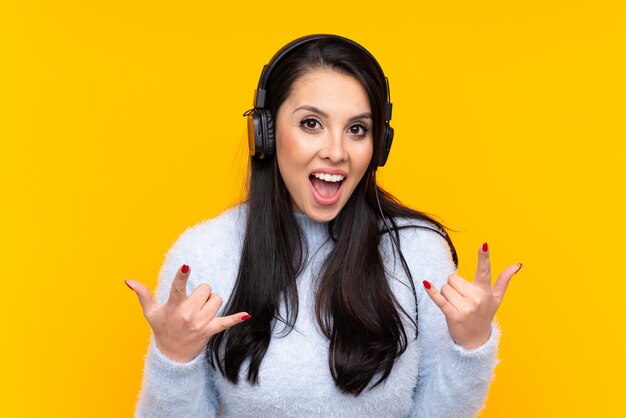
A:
(366, 115)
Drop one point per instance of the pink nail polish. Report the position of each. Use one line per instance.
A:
(126, 281)
(485, 247)
(185, 268)
(427, 285)
(245, 317)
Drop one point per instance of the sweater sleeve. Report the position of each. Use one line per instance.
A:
(169, 388)
(452, 381)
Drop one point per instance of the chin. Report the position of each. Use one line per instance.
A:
(323, 215)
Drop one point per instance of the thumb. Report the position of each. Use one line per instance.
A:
(147, 301)
(222, 323)
(499, 288)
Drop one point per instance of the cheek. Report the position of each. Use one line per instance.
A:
(290, 155)
(293, 148)
(285, 149)
(364, 156)
(287, 136)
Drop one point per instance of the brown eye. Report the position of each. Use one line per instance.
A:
(310, 124)
(358, 130)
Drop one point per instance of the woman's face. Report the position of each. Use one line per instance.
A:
(323, 141)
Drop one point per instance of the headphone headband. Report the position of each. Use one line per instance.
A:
(261, 137)
(260, 94)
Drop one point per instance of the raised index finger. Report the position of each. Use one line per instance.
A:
(483, 269)
(178, 291)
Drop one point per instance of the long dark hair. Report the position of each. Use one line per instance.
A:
(354, 305)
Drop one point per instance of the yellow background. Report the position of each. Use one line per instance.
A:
(120, 126)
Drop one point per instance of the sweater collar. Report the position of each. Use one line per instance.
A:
(313, 231)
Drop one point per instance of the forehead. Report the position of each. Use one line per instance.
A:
(329, 88)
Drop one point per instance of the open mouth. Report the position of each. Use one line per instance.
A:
(326, 187)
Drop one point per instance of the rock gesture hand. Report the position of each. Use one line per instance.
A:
(184, 325)
(468, 307)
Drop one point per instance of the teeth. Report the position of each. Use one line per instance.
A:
(333, 178)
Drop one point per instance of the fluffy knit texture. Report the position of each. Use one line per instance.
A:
(433, 378)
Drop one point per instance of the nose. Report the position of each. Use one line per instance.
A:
(334, 148)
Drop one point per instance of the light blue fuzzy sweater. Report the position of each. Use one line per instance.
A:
(433, 378)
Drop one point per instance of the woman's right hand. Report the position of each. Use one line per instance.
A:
(184, 325)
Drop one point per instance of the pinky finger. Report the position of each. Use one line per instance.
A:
(446, 307)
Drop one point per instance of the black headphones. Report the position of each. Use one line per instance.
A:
(261, 137)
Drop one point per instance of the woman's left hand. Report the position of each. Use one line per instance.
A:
(468, 307)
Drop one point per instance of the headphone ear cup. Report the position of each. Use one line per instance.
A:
(387, 141)
(261, 133)
(255, 134)
(269, 137)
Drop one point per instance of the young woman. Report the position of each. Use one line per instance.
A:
(317, 269)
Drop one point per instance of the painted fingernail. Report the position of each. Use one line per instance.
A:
(245, 317)
(485, 247)
(126, 281)
(185, 268)
(427, 285)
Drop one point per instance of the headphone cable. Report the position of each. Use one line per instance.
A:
(396, 244)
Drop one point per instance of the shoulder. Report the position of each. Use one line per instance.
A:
(425, 248)
(223, 228)
(211, 247)
(423, 236)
